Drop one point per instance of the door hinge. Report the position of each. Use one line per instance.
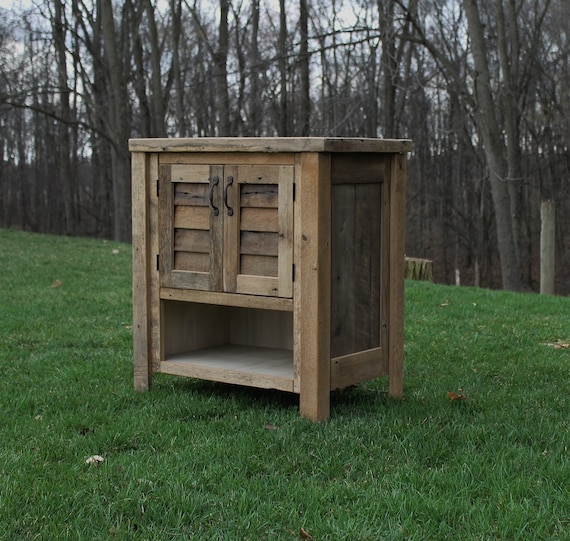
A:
(293, 272)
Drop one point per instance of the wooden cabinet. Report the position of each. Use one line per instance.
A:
(269, 262)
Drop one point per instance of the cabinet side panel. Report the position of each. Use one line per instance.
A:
(355, 261)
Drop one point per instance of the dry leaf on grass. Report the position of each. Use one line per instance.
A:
(269, 426)
(303, 534)
(56, 284)
(558, 344)
(454, 397)
(95, 459)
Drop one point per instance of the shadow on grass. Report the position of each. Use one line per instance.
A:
(212, 400)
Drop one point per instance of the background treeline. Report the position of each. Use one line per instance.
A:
(481, 86)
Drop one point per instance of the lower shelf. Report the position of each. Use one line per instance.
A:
(267, 368)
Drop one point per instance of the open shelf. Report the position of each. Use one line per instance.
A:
(231, 344)
(269, 368)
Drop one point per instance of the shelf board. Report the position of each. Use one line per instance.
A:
(227, 299)
(267, 368)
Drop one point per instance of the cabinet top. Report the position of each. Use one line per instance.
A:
(271, 144)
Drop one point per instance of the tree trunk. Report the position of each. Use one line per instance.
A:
(118, 119)
(283, 123)
(491, 137)
(305, 106)
(158, 127)
(63, 146)
(221, 72)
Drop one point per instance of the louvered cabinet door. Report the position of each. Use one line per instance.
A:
(191, 226)
(258, 229)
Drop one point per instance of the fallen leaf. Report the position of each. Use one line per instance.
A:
(304, 534)
(455, 396)
(444, 304)
(558, 344)
(56, 284)
(95, 459)
(269, 426)
(115, 251)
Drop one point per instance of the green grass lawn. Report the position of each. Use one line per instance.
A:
(198, 460)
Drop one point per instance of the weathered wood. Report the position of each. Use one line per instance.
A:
(396, 261)
(312, 288)
(357, 168)
(547, 247)
(355, 368)
(270, 145)
(227, 299)
(240, 365)
(303, 258)
(141, 285)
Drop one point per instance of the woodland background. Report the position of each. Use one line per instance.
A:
(481, 86)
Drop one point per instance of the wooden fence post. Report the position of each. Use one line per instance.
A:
(547, 244)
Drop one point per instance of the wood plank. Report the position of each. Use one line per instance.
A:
(190, 279)
(356, 368)
(259, 219)
(257, 285)
(232, 224)
(191, 262)
(259, 265)
(153, 315)
(366, 308)
(228, 299)
(397, 272)
(267, 368)
(356, 168)
(217, 231)
(343, 261)
(189, 327)
(190, 173)
(259, 195)
(195, 195)
(269, 145)
(261, 328)
(166, 223)
(286, 213)
(192, 240)
(227, 158)
(259, 243)
(312, 286)
(191, 217)
(141, 284)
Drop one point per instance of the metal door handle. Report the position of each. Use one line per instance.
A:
(229, 182)
(215, 182)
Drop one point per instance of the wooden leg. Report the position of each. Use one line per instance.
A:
(397, 276)
(312, 286)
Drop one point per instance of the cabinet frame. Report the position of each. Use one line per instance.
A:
(315, 358)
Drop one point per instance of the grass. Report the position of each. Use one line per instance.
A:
(198, 460)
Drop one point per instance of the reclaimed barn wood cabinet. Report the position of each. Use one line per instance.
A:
(270, 262)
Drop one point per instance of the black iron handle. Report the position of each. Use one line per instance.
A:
(229, 182)
(215, 182)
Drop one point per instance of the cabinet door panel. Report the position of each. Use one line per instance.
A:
(262, 229)
(190, 232)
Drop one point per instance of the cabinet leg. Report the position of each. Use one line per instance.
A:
(315, 405)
